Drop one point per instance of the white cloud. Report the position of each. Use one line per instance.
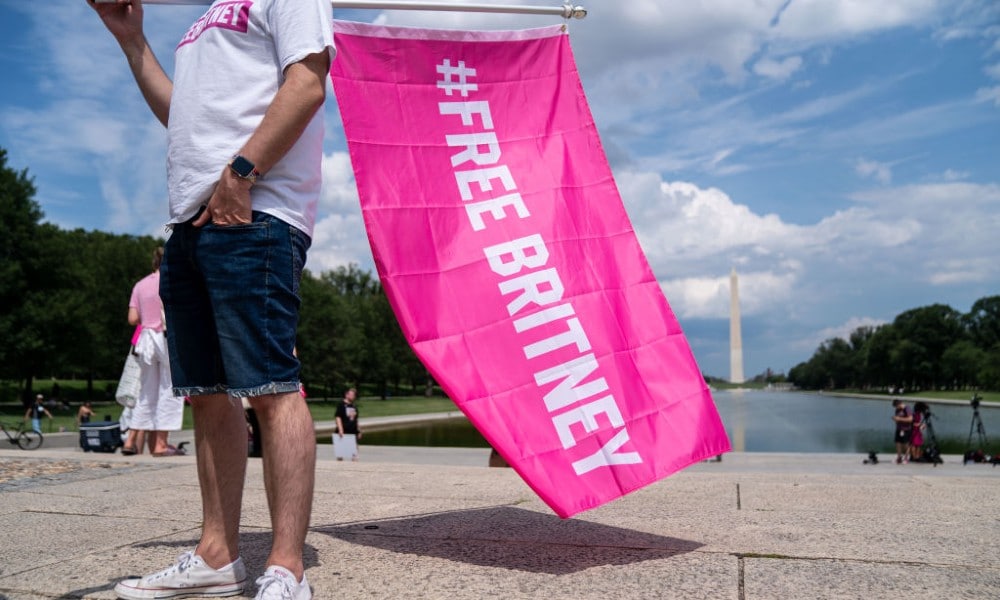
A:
(734, 225)
(953, 175)
(953, 271)
(880, 172)
(989, 94)
(920, 123)
(674, 36)
(338, 240)
(339, 235)
(957, 221)
(698, 297)
(969, 19)
(339, 192)
(836, 19)
(778, 70)
(725, 137)
(933, 233)
(844, 330)
(708, 297)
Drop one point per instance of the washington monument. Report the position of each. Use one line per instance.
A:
(735, 336)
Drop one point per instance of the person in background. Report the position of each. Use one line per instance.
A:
(35, 412)
(244, 173)
(83, 415)
(920, 410)
(134, 439)
(904, 429)
(347, 417)
(157, 410)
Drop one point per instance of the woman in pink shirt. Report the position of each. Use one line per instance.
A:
(157, 410)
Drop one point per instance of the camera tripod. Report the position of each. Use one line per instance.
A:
(932, 452)
(977, 427)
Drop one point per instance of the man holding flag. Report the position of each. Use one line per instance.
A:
(244, 149)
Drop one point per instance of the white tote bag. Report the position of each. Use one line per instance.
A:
(130, 382)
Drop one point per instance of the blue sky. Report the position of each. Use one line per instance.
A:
(842, 155)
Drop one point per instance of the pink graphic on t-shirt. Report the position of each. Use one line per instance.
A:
(234, 16)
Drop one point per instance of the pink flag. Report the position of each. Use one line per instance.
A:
(507, 255)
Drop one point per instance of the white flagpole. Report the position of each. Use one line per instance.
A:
(567, 11)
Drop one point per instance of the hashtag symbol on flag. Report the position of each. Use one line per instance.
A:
(449, 73)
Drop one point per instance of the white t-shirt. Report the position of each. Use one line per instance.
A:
(228, 68)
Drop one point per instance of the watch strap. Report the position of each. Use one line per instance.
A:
(244, 169)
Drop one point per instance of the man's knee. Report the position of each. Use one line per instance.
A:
(271, 405)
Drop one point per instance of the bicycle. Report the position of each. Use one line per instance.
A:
(25, 439)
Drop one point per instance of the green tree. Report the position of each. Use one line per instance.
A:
(925, 334)
(989, 372)
(878, 369)
(961, 364)
(928, 347)
(983, 322)
(38, 307)
(911, 361)
(349, 335)
(355, 288)
(63, 294)
(837, 363)
(106, 267)
(829, 367)
(323, 323)
(397, 362)
(19, 218)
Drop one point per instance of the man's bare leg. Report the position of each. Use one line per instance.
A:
(220, 436)
(289, 473)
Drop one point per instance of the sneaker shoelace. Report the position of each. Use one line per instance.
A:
(273, 587)
(184, 562)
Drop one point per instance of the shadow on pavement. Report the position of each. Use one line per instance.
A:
(511, 538)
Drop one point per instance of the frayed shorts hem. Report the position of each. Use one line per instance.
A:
(268, 389)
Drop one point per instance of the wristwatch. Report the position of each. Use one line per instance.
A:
(244, 169)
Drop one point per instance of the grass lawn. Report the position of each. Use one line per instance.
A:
(322, 410)
(376, 407)
(11, 412)
(941, 395)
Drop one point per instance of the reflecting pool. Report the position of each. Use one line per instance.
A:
(766, 421)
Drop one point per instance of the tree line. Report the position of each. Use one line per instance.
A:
(928, 348)
(64, 300)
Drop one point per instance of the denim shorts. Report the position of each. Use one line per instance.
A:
(231, 299)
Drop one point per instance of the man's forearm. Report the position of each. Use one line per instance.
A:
(299, 97)
(153, 81)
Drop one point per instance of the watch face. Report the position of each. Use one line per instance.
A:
(242, 167)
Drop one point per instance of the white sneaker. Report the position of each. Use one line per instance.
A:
(278, 583)
(189, 576)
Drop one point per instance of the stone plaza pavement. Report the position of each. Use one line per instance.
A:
(438, 523)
